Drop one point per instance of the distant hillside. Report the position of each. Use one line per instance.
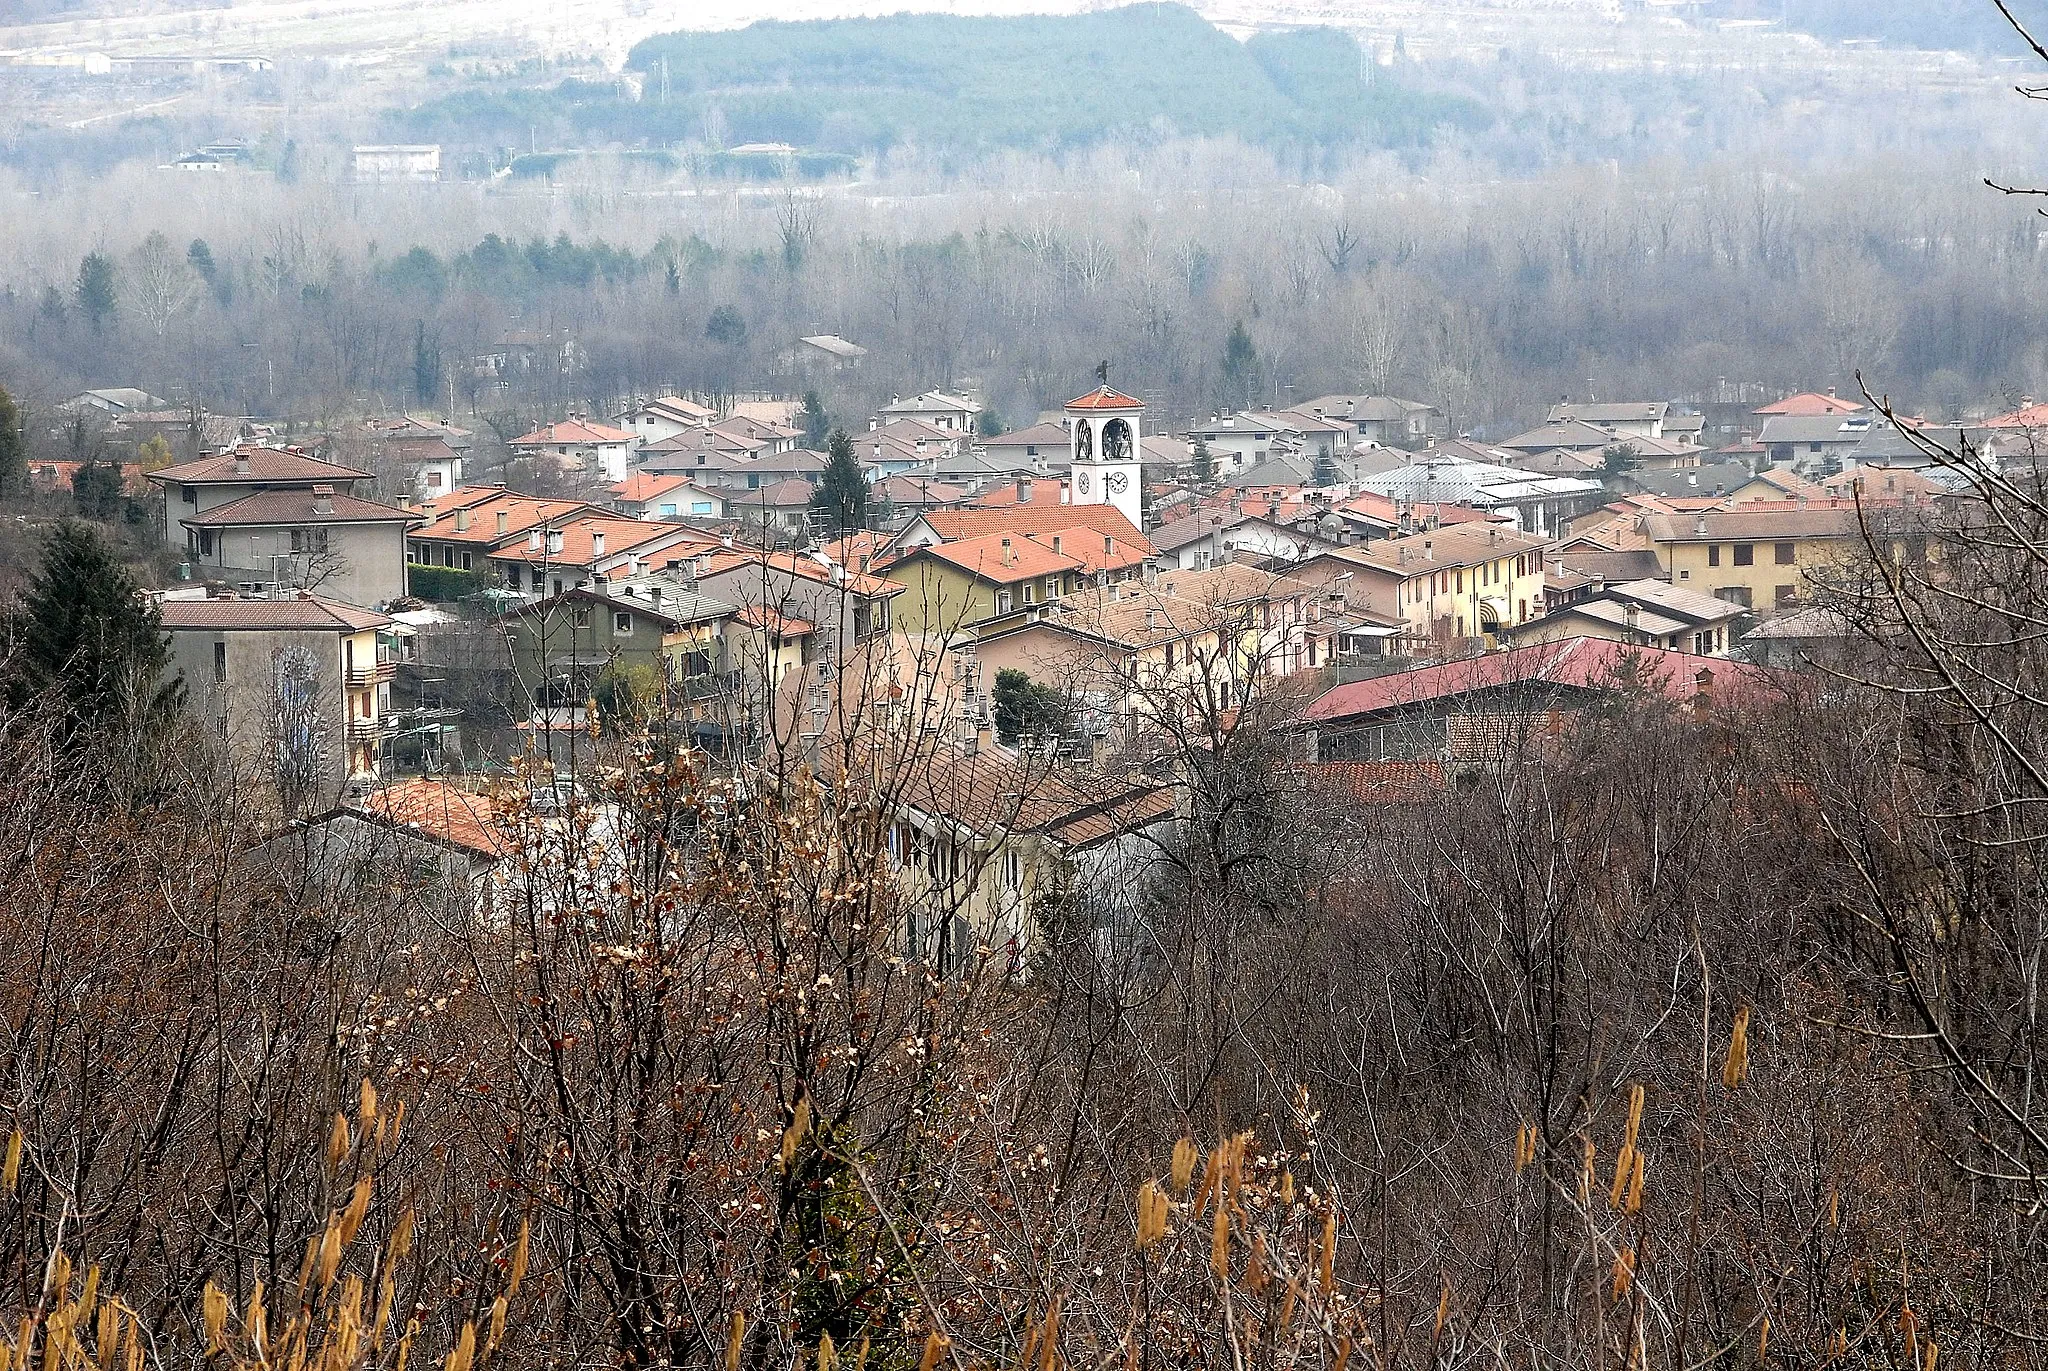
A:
(944, 81)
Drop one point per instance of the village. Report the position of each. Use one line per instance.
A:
(1054, 620)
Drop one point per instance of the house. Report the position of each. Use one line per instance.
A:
(196, 487)
(780, 508)
(300, 684)
(188, 435)
(461, 528)
(1646, 613)
(1809, 404)
(1733, 481)
(961, 582)
(1443, 585)
(768, 644)
(844, 608)
(1035, 516)
(1241, 440)
(941, 409)
(1211, 537)
(665, 417)
(376, 163)
(1183, 639)
(306, 538)
(656, 632)
(915, 494)
(558, 556)
(644, 495)
(1385, 420)
(919, 439)
(115, 402)
(828, 352)
(982, 839)
(780, 466)
(1573, 435)
(1537, 503)
(1480, 711)
(707, 457)
(450, 842)
(1637, 419)
(579, 445)
(1765, 555)
(762, 437)
(1038, 448)
(428, 457)
(1813, 444)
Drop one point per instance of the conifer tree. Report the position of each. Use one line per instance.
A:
(87, 642)
(13, 454)
(812, 420)
(840, 503)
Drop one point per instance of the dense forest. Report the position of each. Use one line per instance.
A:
(1039, 82)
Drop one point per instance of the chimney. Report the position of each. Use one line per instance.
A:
(554, 541)
(501, 523)
(1692, 478)
(597, 543)
(462, 521)
(1023, 490)
(700, 565)
(1151, 617)
(1831, 392)
(1699, 527)
(533, 539)
(1009, 553)
(1428, 550)
(241, 462)
(323, 499)
(1703, 690)
(1055, 543)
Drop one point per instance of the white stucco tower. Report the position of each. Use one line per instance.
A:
(1102, 443)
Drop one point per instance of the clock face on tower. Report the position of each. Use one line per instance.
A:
(1081, 480)
(1116, 441)
(1084, 443)
(1116, 483)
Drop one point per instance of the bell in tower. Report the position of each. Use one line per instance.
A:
(1103, 429)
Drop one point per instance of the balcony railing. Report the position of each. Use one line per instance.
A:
(362, 677)
(366, 726)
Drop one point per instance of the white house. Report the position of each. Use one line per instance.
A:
(940, 409)
(662, 418)
(580, 445)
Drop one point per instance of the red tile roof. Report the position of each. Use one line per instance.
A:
(2033, 416)
(571, 431)
(1572, 663)
(274, 464)
(957, 523)
(1005, 558)
(1102, 397)
(438, 810)
(295, 505)
(1810, 403)
(305, 612)
(642, 486)
(579, 541)
(1378, 783)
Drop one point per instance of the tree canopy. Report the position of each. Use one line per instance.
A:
(840, 503)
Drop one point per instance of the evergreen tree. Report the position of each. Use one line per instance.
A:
(88, 642)
(1205, 463)
(1240, 365)
(725, 327)
(95, 289)
(426, 364)
(1026, 709)
(989, 424)
(96, 490)
(13, 451)
(840, 504)
(813, 421)
(1325, 473)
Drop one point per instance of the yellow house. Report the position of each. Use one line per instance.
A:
(1765, 555)
(953, 585)
(1457, 582)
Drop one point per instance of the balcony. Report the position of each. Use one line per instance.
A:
(362, 678)
(370, 727)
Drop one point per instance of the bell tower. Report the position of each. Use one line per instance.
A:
(1102, 445)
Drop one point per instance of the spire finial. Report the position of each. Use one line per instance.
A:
(1102, 371)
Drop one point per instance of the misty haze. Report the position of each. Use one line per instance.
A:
(1025, 685)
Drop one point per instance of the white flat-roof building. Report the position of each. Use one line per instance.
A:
(398, 162)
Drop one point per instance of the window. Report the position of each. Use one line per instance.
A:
(1013, 868)
(1784, 595)
(206, 542)
(465, 561)
(1713, 554)
(309, 540)
(1052, 587)
(1460, 587)
(1745, 554)
(1783, 553)
(434, 480)
(1734, 595)
(1684, 574)
(188, 495)
(1030, 593)
(220, 662)
(580, 617)
(1813, 447)
(622, 623)
(512, 576)
(1002, 602)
